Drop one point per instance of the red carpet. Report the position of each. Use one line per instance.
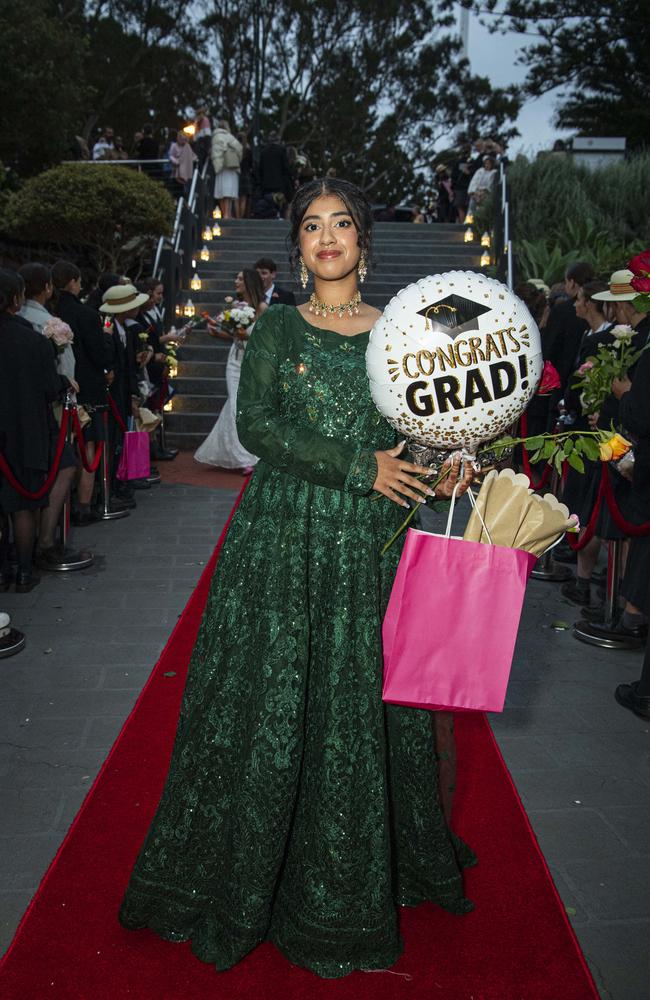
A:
(184, 469)
(516, 945)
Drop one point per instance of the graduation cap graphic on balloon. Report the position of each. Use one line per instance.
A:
(453, 315)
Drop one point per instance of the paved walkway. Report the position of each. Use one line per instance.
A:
(579, 761)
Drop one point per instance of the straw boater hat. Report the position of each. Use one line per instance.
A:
(620, 289)
(121, 299)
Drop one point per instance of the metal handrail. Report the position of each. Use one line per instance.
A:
(503, 238)
(174, 254)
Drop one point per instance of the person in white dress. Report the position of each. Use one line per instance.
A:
(226, 152)
(222, 447)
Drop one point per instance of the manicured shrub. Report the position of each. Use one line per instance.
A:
(112, 214)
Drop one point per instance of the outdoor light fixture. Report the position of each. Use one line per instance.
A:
(217, 213)
(485, 240)
(469, 218)
(205, 253)
(189, 309)
(469, 235)
(189, 130)
(485, 259)
(216, 229)
(206, 235)
(179, 308)
(195, 283)
(168, 406)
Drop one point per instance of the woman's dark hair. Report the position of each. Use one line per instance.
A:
(11, 288)
(147, 284)
(63, 272)
(106, 280)
(534, 299)
(581, 272)
(352, 197)
(36, 277)
(253, 287)
(589, 289)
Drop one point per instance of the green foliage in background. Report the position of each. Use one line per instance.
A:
(562, 212)
(113, 213)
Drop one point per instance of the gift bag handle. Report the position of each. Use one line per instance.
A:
(473, 503)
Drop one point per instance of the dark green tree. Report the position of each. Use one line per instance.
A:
(43, 85)
(113, 215)
(596, 53)
(367, 88)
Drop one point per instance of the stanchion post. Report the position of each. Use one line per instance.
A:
(603, 633)
(546, 568)
(70, 560)
(107, 514)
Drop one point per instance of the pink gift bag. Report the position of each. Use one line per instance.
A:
(451, 624)
(134, 460)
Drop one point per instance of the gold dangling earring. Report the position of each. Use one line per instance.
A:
(362, 268)
(304, 273)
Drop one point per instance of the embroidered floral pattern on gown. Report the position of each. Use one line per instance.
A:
(298, 807)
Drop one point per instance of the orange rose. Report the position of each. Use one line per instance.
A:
(614, 448)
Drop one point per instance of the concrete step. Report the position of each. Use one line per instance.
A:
(206, 385)
(201, 369)
(195, 422)
(210, 403)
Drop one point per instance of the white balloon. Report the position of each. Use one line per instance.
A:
(454, 360)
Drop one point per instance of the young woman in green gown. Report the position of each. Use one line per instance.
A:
(298, 807)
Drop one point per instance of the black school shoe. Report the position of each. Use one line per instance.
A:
(577, 593)
(626, 696)
(82, 518)
(26, 581)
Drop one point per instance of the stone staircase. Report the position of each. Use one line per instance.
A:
(403, 253)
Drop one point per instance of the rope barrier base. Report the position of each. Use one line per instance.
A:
(71, 561)
(546, 569)
(603, 633)
(600, 634)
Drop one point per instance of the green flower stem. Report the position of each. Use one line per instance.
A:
(413, 511)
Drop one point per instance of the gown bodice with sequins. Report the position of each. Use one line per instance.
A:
(298, 807)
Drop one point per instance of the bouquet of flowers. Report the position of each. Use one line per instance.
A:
(232, 321)
(235, 317)
(597, 373)
(59, 333)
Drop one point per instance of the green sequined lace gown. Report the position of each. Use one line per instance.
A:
(298, 807)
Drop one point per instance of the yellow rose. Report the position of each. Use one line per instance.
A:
(614, 448)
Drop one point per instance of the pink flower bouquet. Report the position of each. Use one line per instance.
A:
(59, 333)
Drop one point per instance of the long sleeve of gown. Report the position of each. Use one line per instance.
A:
(301, 451)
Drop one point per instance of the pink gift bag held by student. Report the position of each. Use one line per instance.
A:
(451, 624)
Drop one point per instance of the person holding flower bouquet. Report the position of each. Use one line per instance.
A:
(234, 323)
(299, 808)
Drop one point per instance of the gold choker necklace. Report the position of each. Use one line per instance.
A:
(324, 309)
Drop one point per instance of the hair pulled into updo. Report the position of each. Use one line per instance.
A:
(352, 197)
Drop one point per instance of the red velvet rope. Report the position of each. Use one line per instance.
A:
(81, 445)
(634, 530)
(116, 414)
(51, 476)
(546, 474)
